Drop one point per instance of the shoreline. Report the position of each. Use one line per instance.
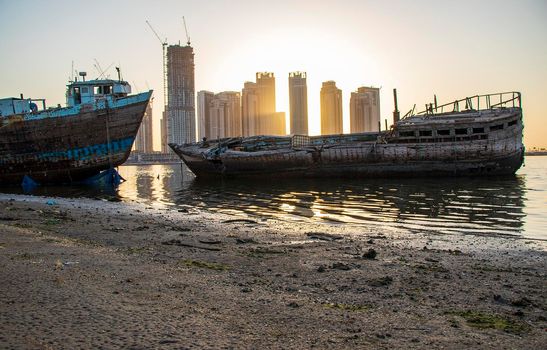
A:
(86, 274)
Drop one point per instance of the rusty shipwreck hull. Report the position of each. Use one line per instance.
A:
(471, 143)
(69, 144)
(355, 162)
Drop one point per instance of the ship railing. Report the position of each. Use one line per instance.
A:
(299, 141)
(264, 142)
(341, 139)
(472, 103)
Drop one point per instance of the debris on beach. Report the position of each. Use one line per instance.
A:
(380, 282)
(323, 236)
(179, 243)
(341, 266)
(370, 254)
(245, 240)
(247, 221)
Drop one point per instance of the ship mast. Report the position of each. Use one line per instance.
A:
(396, 113)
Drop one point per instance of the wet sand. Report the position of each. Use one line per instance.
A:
(94, 274)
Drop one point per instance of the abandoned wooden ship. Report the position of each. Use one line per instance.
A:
(93, 133)
(484, 138)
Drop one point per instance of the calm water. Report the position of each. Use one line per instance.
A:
(502, 206)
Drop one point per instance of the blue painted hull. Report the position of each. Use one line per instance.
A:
(69, 144)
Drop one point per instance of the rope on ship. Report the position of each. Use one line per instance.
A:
(108, 146)
(115, 177)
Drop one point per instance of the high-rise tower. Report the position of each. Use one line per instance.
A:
(258, 107)
(298, 102)
(265, 82)
(331, 109)
(225, 115)
(181, 122)
(219, 115)
(365, 110)
(249, 109)
(143, 140)
(204, 114)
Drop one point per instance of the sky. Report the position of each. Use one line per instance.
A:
(452, 49)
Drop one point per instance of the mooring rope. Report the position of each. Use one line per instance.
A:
(109, 147)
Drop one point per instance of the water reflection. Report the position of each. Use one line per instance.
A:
(437, 205)
(153, 184)
(512, 206)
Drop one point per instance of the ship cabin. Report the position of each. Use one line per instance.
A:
(13, 105)
(89, 92)
(435, 124)
(78, 93)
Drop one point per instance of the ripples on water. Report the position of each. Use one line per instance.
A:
(502, 206)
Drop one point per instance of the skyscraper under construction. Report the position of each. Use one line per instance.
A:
(181, 115)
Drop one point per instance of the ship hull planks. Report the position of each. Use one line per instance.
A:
(68, 148)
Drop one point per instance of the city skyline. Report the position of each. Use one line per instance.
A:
(423, 48)
(234, 114)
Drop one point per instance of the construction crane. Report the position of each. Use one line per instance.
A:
(163, 46)
(186, 30)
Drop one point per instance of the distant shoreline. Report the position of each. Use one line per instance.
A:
(540, 153)
(152, 163)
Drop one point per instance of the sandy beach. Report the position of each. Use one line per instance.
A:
(95, 274)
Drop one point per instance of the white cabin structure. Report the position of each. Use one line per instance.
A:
(89, 92)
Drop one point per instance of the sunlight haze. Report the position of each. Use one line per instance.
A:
(422, 48)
